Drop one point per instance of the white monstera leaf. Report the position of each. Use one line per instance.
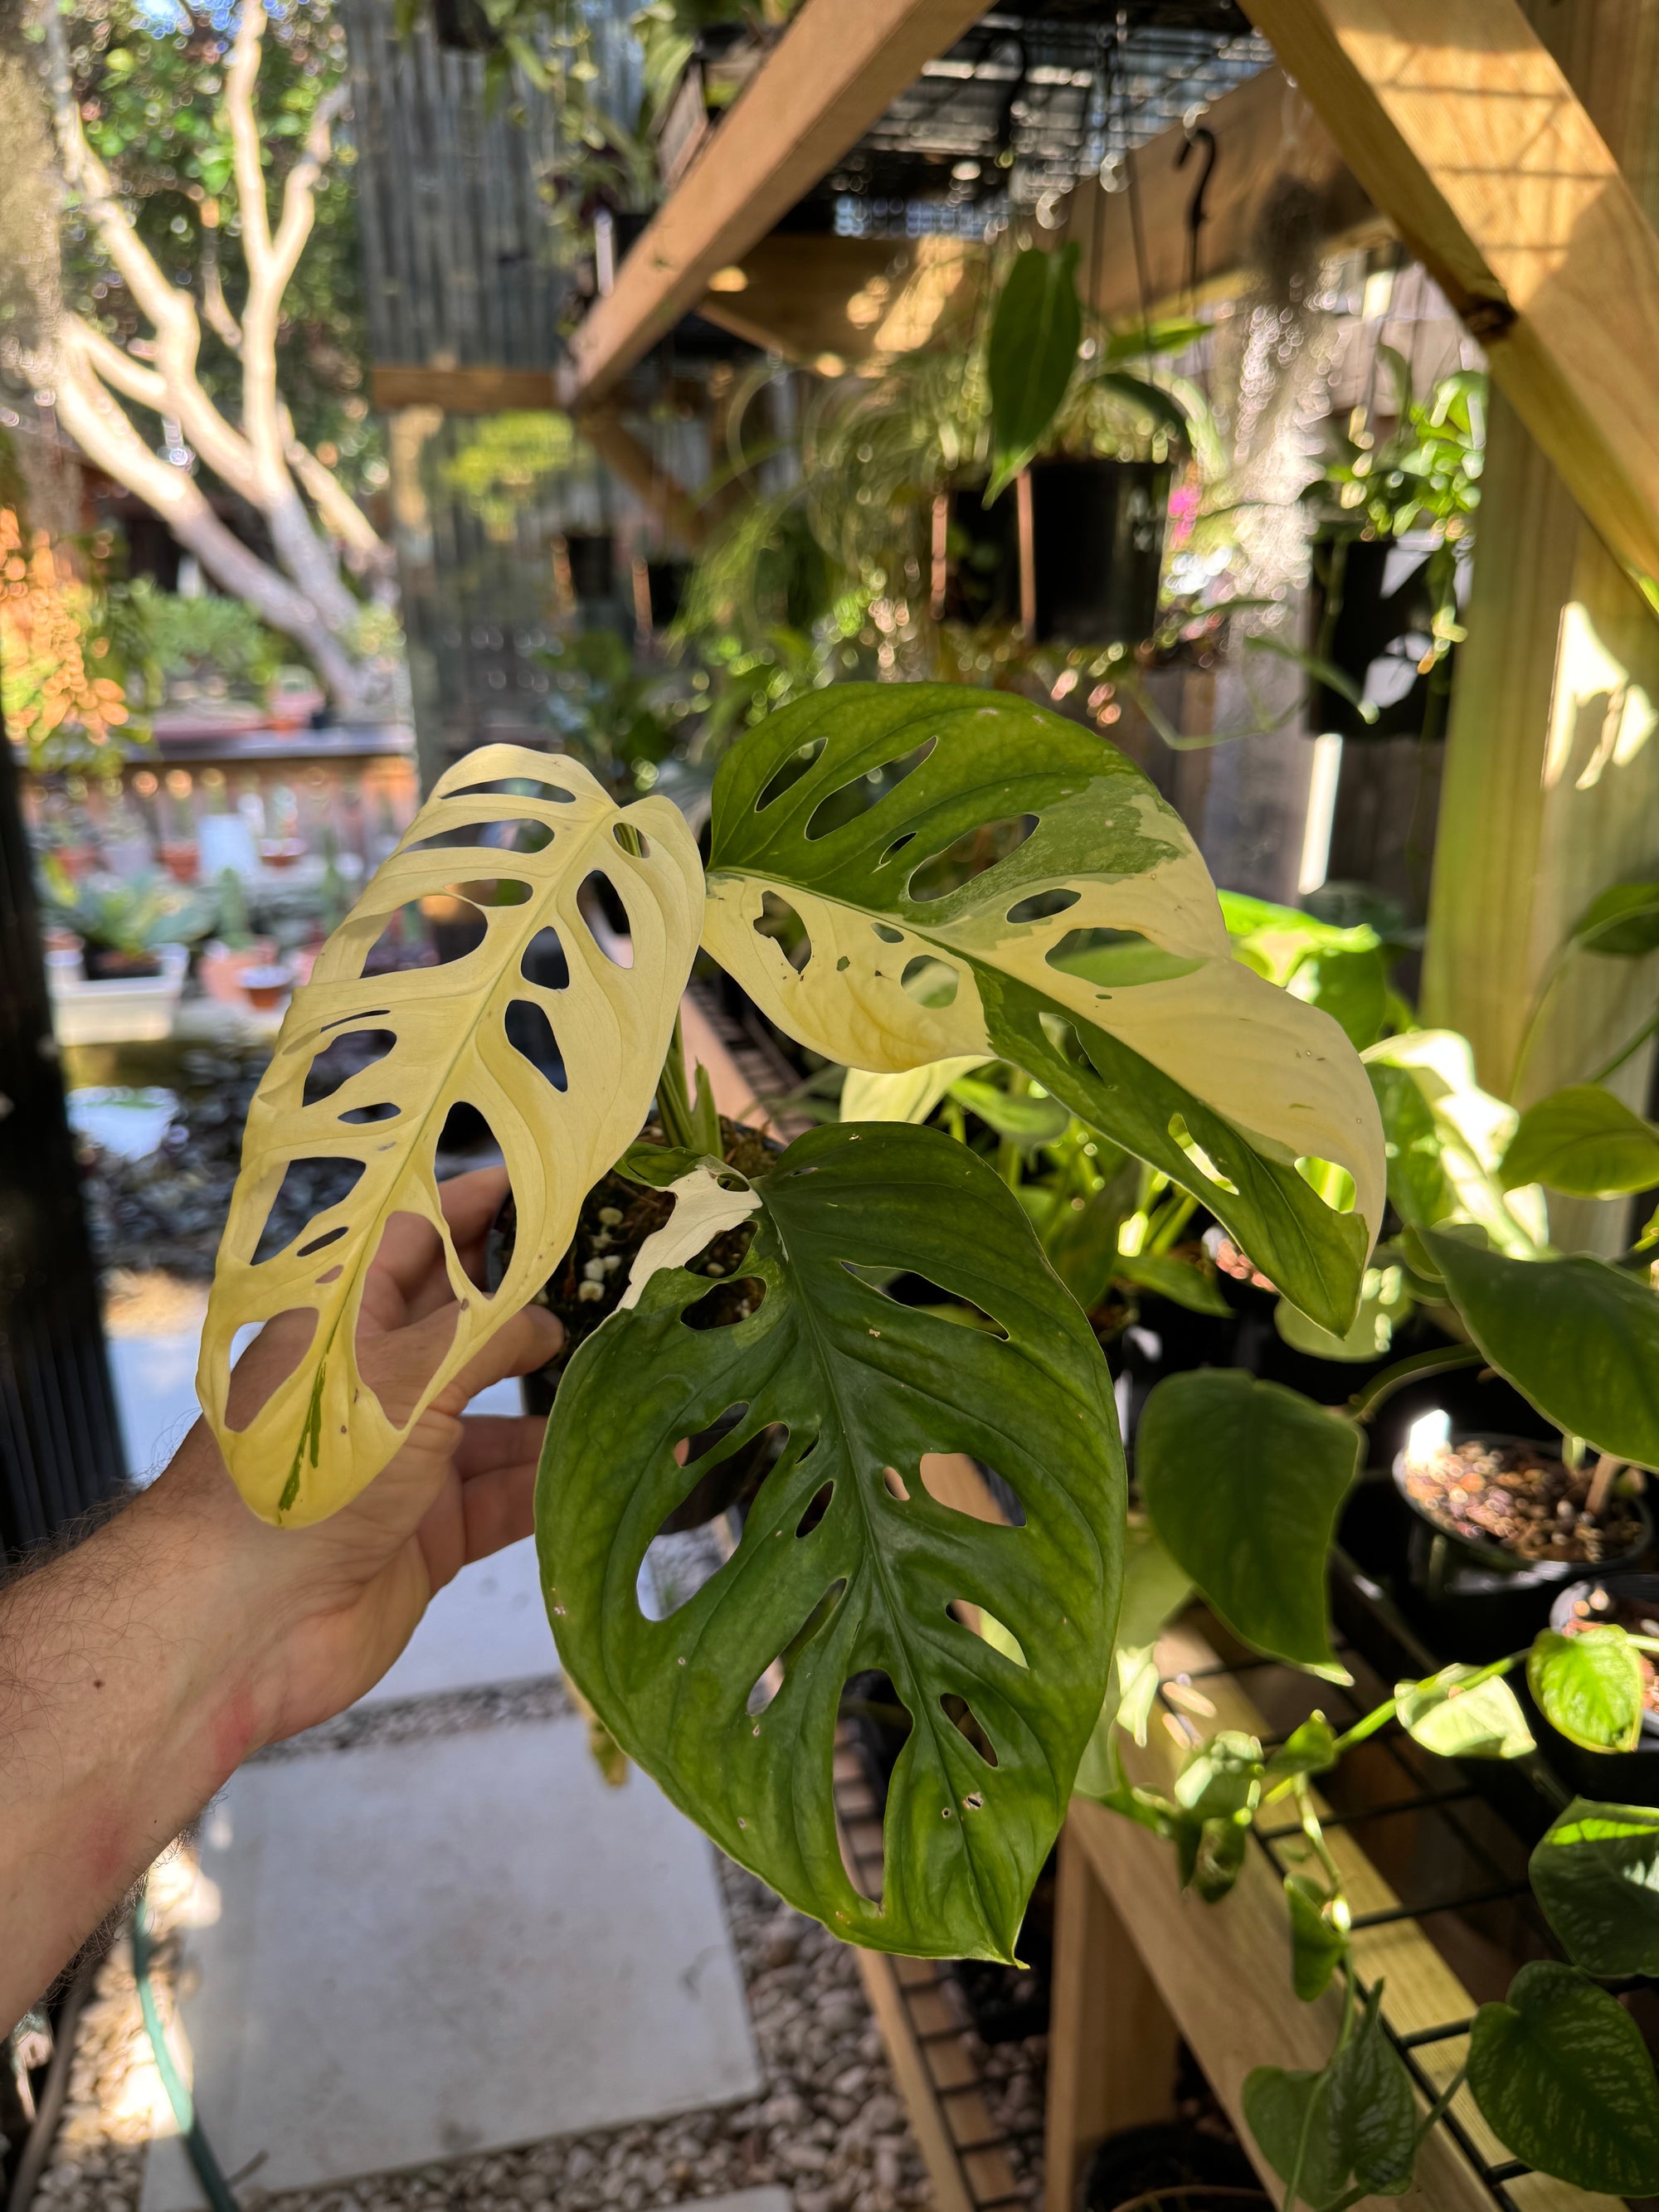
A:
(907, 873)
(524, 833)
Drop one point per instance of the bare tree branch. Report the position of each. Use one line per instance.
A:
(104, 433)
(215, 305)
(262, 458)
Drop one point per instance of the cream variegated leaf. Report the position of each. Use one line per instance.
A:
(322, 1434)
(1092, 953)
(908, 1097)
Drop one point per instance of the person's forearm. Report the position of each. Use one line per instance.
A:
(131, 1683)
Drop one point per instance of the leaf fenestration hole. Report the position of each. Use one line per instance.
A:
(517, 787)
(992, 1631)
(605, 912)
(789, 772)
(530, 1032)
(930, 983)
(895, 1485)
(968, 856)
(440, 928)
(1335, 1184)
(917, 1292)
(941, 1478)
(384, 1111)
(723, 1478)
(520, 836)
(878, 1721)
(1115, 959)
(778, 919)
(321, 1243)
(888, 936)
(1041, 904)
(1200, 1158)
(544, 962)
(309, 1187)
(349, 1054)
(773, 1676)
(727, 1304)
(857, 796)
(817, 1506)
(962, 1717)
(266, 1364)
(905, 837)
(633, 842)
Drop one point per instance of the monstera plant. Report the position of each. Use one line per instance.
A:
(898, 874)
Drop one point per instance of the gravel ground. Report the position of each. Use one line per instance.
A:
(829, 2124)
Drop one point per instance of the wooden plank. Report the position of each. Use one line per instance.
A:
(1551, 789)
(1265, 133)
(831, 302)
(460, 391)
(833, 71)
(904, 2055)
(633, 464)
(1112, 2042)
(1465, 130)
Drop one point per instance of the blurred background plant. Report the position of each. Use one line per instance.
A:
(71, 652)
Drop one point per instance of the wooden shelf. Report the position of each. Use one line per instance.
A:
(832, 73)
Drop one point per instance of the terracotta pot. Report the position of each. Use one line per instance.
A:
(221, 971)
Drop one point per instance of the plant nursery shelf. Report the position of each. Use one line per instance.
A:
(1140, 1963)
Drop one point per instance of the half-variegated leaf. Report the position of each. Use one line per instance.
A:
(444, 1040)
(1092, 953)
(847, 1561)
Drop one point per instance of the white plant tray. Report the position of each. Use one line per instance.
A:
(133, 1009)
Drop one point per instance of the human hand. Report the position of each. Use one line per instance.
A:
(337, 1601)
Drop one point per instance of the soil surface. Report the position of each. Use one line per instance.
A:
(1518, 1496)
(617, 1215)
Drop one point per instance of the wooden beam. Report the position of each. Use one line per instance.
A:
(832, 302)
(1464, 129)
(832, 73)
(633, 464)
(1113, 2047)
(1550, 788)
(1265, 132)
(460, 391)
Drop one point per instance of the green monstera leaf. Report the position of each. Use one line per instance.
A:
(848, 1562)
(1093, 954)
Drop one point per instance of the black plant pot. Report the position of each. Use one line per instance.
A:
(1623, 1778)
(1478, 1600)
(1173, 2159)
(1097, 549)
(1382, 632)
(103, 964)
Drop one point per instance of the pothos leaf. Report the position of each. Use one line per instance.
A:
(1596, 1875)
(323, 1433)
(864, 1388)
(1319, 1936)
(1034, 333)
(1578, 1339)
(1355, 2121)
(1093, 954)
(1589, 1685)
(1563, 2075)
(1243, 1481)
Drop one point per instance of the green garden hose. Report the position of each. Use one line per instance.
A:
(197, 2149)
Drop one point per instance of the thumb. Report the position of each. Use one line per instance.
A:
(525, 1342)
